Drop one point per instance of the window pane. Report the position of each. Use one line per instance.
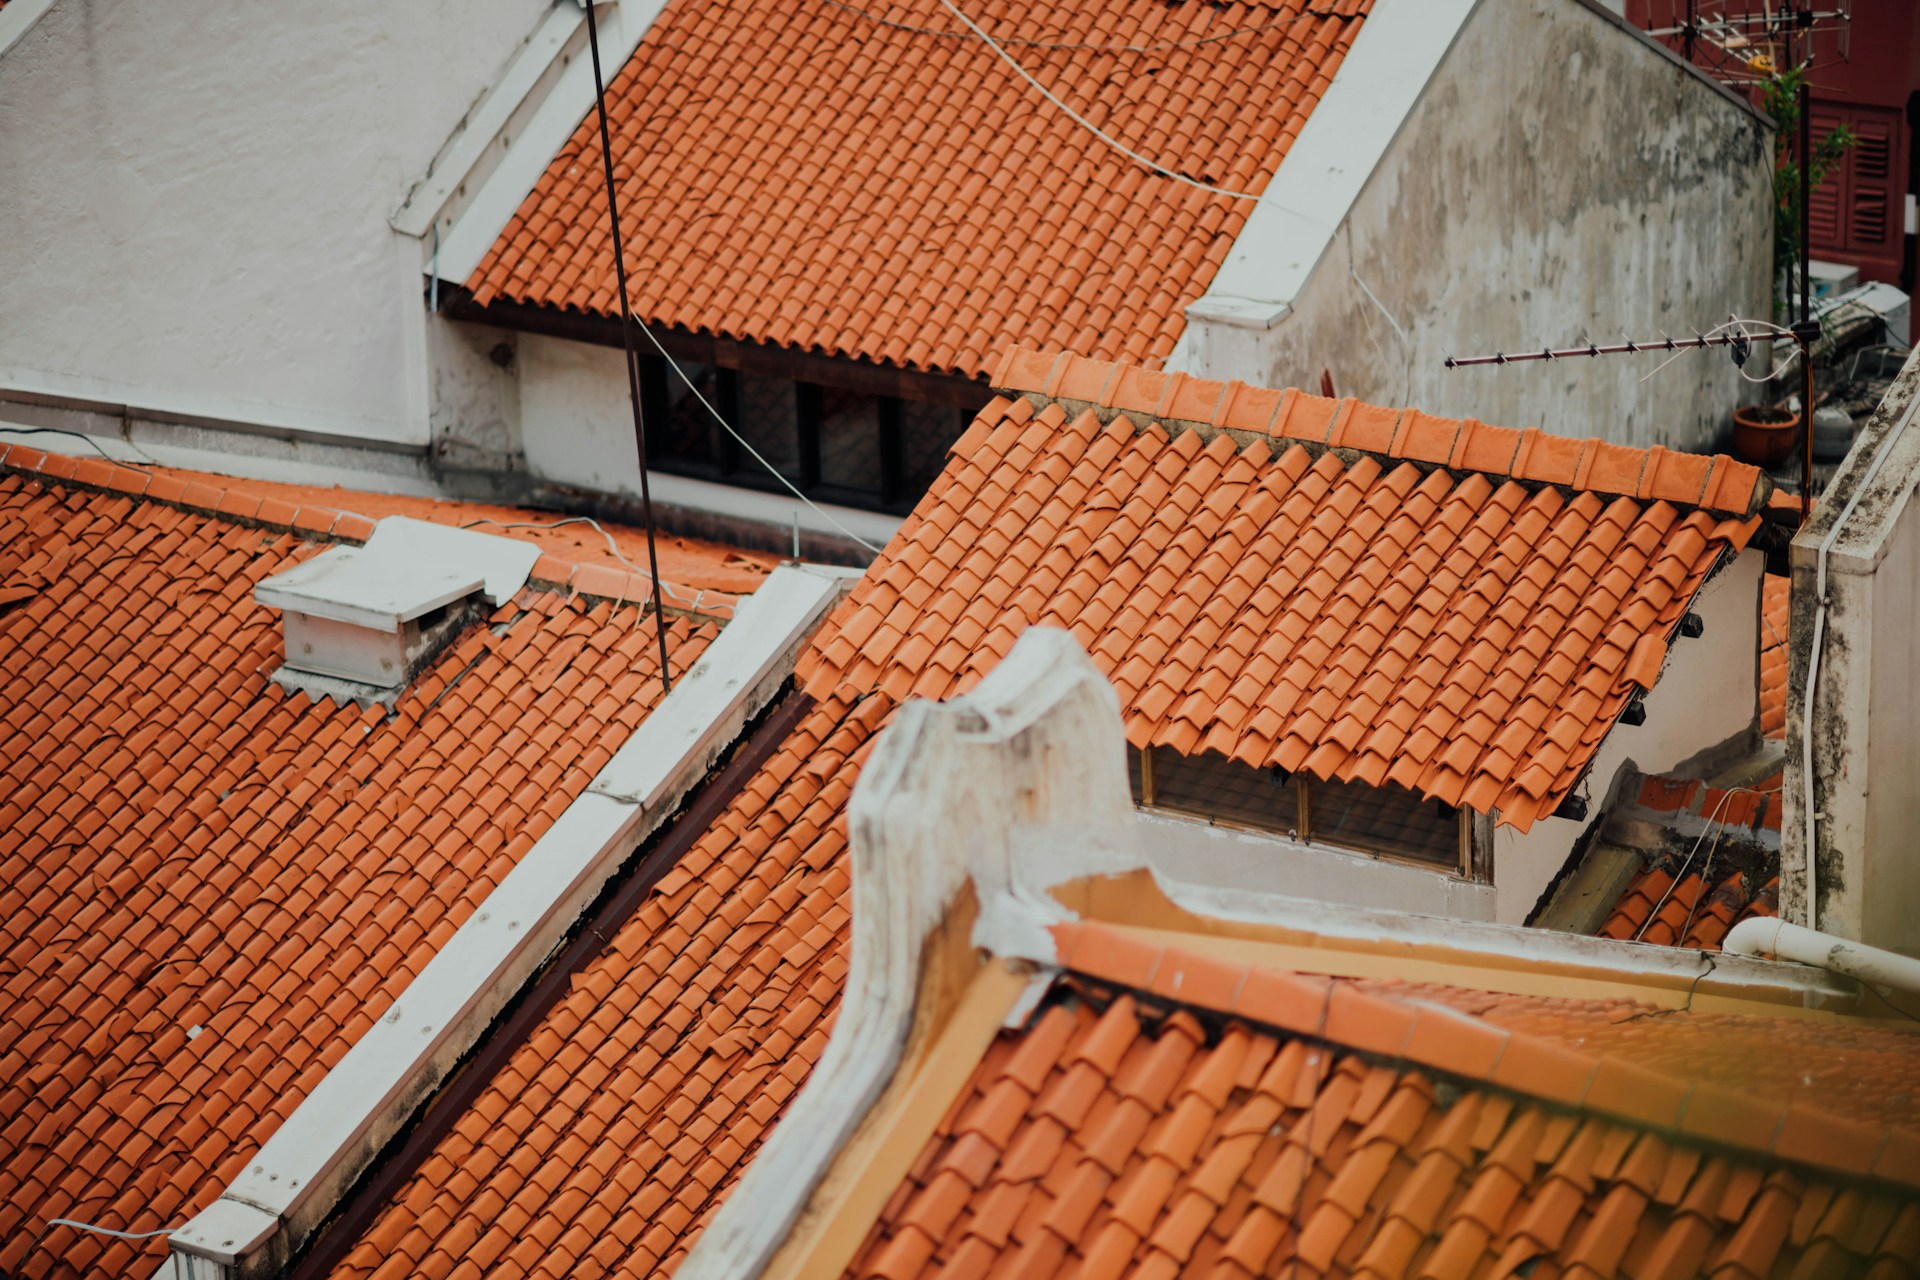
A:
(770, 421)
(678, 426)
(927, 431)
(1385, 819)
(1211, 786)
(850, 440)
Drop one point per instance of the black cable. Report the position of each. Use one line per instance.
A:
(633, 358)
(77, 435)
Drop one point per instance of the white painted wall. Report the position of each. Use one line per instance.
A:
(1706, 697)
(1865, 743)
(194, 200)
(1184, 851)
(576, 424)
(1556, 178)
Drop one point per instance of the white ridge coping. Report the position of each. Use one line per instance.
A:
(296, 1179)
(17, 19)
(1605, 959)
(545, 130)
(462, 154)
(1292, 226)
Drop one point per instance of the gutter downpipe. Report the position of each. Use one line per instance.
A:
(1875, 966)
(1813, 654)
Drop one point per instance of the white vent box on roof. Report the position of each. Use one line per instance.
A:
(374, 615)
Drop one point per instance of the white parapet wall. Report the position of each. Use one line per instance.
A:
(296, 1179)
(1853, 743)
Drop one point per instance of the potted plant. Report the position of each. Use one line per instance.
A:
(1764, 434)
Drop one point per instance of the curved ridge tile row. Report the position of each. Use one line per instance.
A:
(815, 176)
(210, 887)
(1464, 634)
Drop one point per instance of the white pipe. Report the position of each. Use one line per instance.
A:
(1813, 652)
(1768, 935)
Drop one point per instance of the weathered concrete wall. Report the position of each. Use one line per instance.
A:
(1866, 691)
(1557, 179)
(1707, 699)
(194, 200)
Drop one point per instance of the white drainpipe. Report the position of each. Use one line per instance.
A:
(1769, 936)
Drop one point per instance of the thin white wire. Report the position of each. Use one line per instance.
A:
(1085, 123)
(1718, 820)
(692, 602)
(1747, 329)
(108, 1231)
(742, 441)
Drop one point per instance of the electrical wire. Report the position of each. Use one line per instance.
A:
(626, 336)
(613, 549)
(1087, 124)
(1715, 823)
(1160, 47)
(751, 451)
(108, 1231)
(93, 444)
(1748, 329)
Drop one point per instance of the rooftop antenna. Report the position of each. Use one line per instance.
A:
(633, 359)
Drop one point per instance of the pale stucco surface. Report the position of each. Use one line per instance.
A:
(194, 202)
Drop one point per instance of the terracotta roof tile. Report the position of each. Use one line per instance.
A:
(1344, 1164)
(648, 1016)
(1276, 621)
(208, 886)
(1773, 655)
(760, 202)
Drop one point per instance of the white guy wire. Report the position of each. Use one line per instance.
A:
(613, 549)
(1747, 329)
(742, 441)
(1082, 121)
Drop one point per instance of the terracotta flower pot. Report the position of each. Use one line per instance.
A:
(1764, 435)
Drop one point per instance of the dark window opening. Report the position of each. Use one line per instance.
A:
(875, 452)
(1386, 821)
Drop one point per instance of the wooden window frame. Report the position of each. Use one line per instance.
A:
(1475, 846)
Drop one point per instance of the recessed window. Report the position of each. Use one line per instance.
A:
(833, 444)
(1385, 821)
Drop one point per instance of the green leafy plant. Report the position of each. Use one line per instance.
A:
(1780, 93)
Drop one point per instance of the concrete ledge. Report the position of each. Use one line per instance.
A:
(297, 1178)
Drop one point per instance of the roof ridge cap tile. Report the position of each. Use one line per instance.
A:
(1523, 1063)
(1727, 484)
(235, 503)
(238, 504)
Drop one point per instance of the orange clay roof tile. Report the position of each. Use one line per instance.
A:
(1199, 664)
(1404, 1165)
(760, 211)
(209, 886)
